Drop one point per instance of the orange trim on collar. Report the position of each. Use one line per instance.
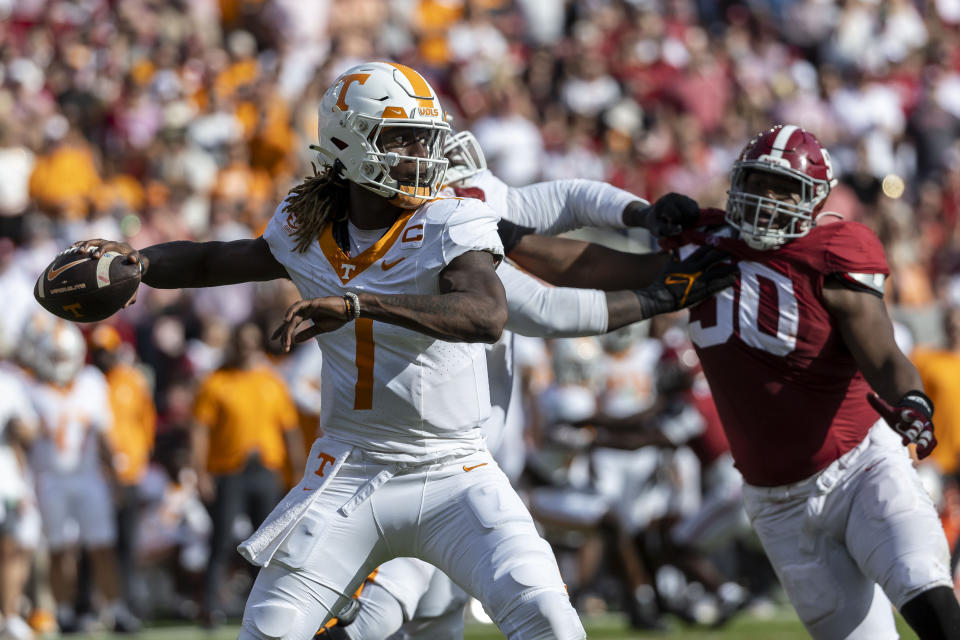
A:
(345, 266)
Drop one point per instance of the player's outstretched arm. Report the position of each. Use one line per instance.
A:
(471, 307)
(574, 263)
(538, 310)
(182, 264)
(868, 333)
(554, 207)
(557, 206)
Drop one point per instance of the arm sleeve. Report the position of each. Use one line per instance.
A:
(537, 309)
(563, 205)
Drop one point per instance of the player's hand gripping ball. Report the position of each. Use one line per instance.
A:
(84, 286)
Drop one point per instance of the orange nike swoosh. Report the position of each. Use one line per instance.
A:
(680, 278)
(55, 272)
(466, 468)
(309, 488)
(390, 265)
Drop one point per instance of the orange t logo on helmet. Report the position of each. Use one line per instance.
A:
(347, 81)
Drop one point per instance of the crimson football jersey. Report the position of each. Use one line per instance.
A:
(712, 442)
(789, 392)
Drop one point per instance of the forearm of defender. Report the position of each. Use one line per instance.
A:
(573, 263)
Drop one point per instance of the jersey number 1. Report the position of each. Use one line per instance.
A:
(748, 313)
(363, 392)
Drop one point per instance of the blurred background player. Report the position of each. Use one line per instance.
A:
(19, 530)
(245, 434)
(74, 473)
(131, 437)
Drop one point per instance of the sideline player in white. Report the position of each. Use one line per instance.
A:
(73, 467)
(404, 282)
(18, 428)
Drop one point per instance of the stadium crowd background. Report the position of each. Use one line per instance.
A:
(153, 120)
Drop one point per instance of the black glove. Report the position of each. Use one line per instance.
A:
(668, 216)
(685, 283)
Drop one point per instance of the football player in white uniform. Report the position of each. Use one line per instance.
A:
(410, 592)
(72, 464)
(398, 284)
(18, 427)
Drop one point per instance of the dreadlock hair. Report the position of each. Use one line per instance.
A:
(316, 202)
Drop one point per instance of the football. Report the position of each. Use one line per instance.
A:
(81, 288)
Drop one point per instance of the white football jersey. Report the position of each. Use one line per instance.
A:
(630, 379)
(70, 417)
(14, 404)
(387, 389)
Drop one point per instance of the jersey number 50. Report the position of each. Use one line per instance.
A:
(788, 315)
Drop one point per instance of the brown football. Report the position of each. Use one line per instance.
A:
(80, 288)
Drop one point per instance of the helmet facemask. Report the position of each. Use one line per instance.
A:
(767, 223)
(404, 160)
(465, 156)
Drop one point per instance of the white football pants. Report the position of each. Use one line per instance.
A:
(461, 515)
(864, 521)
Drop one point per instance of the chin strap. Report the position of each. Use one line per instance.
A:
(833, 214)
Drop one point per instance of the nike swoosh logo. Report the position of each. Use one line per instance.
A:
(53, 273)
(309, 488)
(466, 468)
(390, 265)
(680, 278)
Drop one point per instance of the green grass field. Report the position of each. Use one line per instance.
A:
(783, 626)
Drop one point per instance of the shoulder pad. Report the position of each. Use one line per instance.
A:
(852, 248)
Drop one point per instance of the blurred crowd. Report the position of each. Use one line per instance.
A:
(156, 120)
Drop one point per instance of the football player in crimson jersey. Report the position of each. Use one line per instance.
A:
(801, 359)
(398, 283)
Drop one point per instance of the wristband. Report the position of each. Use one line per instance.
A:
(353, 304)
(918, 400)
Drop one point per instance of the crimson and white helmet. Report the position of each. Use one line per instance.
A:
(465, 156)
(786, 150)
(60, 353)
(357, 114)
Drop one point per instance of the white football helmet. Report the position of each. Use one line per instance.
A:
(382, 126)
(576, 361)
(60, 353)
(34, 328)
(465, 156)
